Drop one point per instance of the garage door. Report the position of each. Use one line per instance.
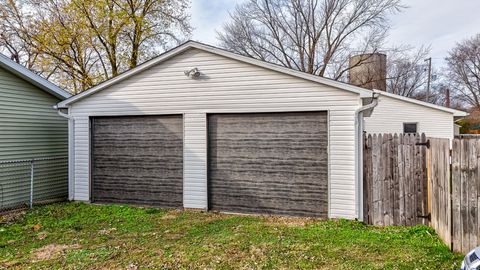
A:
(138, 160)
(269, 163)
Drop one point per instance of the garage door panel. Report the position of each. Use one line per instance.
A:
(119, 189)
(147, 167)
(272, 184)
(284, 194)
(138, 160)
(143, 150)
(269, 163)
(272, 149)
(242, 204)
(126, 180)
(150, 198)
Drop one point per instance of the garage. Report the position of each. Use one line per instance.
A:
(138, 160)
(255, 137)
(268, 163)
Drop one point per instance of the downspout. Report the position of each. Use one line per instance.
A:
(71, 152)
(62, 114)
(359, 151)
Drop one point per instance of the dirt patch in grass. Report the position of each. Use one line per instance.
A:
(52, 251)
(42, 235)
(171, 215)
(268, 219)
(107, 231)
(11, 217)
(290, 221)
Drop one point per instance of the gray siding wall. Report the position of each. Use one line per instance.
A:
(227, 86)
(30, 128)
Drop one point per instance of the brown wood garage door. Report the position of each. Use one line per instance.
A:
(272, 163)
(138, 160)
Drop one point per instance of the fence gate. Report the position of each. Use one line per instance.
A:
(408, 179)
(454, 191)
(465, 194)
(395, 179)
(439, 189)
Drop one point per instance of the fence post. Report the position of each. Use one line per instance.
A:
(32, 163)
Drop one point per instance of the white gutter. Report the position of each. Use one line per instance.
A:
(359, 151)
(71, 152)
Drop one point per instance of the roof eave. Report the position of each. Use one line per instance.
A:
(422, 103)
(33, 78)
(341, 85)
(461, 114)
(125, 75)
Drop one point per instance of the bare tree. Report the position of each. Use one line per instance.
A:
(464, 70)
(313, 36)
(406, 72)
(13, 41)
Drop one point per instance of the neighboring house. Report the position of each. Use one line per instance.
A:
(30, 128)
(200, 127)
(470, 124)
(457, 129)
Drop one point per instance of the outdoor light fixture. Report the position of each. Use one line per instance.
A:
(193, 73)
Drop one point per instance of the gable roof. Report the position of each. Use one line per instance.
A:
(208, 48)
(364, 93)
(29, 76)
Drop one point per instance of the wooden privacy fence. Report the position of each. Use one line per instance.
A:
(395, 187)
(465, 194)
(409, 180)
(454, 200)
(439, 206)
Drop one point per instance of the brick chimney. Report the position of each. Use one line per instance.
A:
(369, 71)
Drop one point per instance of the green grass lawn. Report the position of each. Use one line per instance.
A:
(83, 236)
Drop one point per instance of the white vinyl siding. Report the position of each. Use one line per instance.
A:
(390, 115)
(226, 85)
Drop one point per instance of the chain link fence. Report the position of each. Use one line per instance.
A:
(24, 183)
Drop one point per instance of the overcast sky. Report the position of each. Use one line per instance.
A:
(439, 23)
